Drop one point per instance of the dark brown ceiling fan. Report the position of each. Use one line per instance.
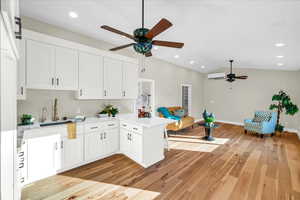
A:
(143, 37)
(231, 76)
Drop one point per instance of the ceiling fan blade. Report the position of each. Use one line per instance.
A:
(108, 28)
(160, 27)
(168, 44)
(241, 77)
(148, 54)
(121, 47)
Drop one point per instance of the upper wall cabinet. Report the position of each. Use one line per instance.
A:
(112, 78)
(66, 68)
(130, 80)
(50, 67)
(40, 64)
(90, 76)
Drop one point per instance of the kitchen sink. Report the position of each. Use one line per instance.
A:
(55, 123)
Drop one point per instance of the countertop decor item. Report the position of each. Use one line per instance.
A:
(114, 111)
(284, 103)
(109, 110)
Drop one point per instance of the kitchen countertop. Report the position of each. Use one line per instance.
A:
(145, 122)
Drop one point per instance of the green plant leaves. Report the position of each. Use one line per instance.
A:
(273, 106)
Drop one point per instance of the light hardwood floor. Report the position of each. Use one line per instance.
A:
(237, 166)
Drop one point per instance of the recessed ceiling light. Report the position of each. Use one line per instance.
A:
(192, 62)
(155, 48)
(279, 56)
(280, 64)
(279, 44)
(202, 67)
(176, 56)
(73, 14)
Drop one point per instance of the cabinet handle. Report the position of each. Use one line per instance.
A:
(105, 93)
(22, 90)
(104, 135)
(55, 146)
(19, 23)
(135, 129)
(111, 124)
(80, 92)
(128, 138)
(95, 127)
(101, 136)
(62, 144)
(57, 81)
(52, 81)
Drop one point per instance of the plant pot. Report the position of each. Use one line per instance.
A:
(102, 115)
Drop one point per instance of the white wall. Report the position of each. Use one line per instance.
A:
(247, 96)
(168, 78)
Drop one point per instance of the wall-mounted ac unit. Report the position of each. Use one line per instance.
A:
(217, 76)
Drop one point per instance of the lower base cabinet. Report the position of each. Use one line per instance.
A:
(43, 157)
(101, 143)
(131, 144)
(72, 152)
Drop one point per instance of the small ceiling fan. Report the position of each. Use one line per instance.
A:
(231, 76)
(143, 37)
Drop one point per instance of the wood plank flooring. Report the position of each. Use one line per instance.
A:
(237, 166)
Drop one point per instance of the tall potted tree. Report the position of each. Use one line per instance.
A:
(284, 104)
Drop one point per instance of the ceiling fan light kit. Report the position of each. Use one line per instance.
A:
(231, 77)
(143, 37)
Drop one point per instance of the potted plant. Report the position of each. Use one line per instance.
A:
(284, 104)
(27, 119)
(114, 111)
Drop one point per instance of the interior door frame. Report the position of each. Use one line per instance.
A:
(190, 96)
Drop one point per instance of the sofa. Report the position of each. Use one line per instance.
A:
(264, 122)
(182, 122)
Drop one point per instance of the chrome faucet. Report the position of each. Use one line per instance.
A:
(55, 113)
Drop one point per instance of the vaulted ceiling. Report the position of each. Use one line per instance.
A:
(213, 31)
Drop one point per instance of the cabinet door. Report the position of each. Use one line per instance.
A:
(111, 141)
(42, 157)
(130, 80)
(112, 79)
(40, 59)
(72, 151)
(124, 141)
(94, 146)
(66, 69)
(90, 76)
(21, 88)
(136, 147)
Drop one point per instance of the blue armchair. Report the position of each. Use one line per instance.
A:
(264, 122)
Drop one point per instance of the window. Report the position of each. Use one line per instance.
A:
(186, 98)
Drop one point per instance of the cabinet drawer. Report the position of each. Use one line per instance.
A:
(111, 124)
(125, 125)
(137, 129)
(93, 127)
(132, 127)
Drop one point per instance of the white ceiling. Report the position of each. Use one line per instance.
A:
(213, 31)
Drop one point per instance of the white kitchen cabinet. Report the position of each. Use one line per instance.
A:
(43, 157)
(21, 86)
(66, 69)
(40, 64)
(112, 78)
(111, 141)
(51, 67)
(72, 151)
(130, 81)
(90, 76)
(94, 146)
(131, 145)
